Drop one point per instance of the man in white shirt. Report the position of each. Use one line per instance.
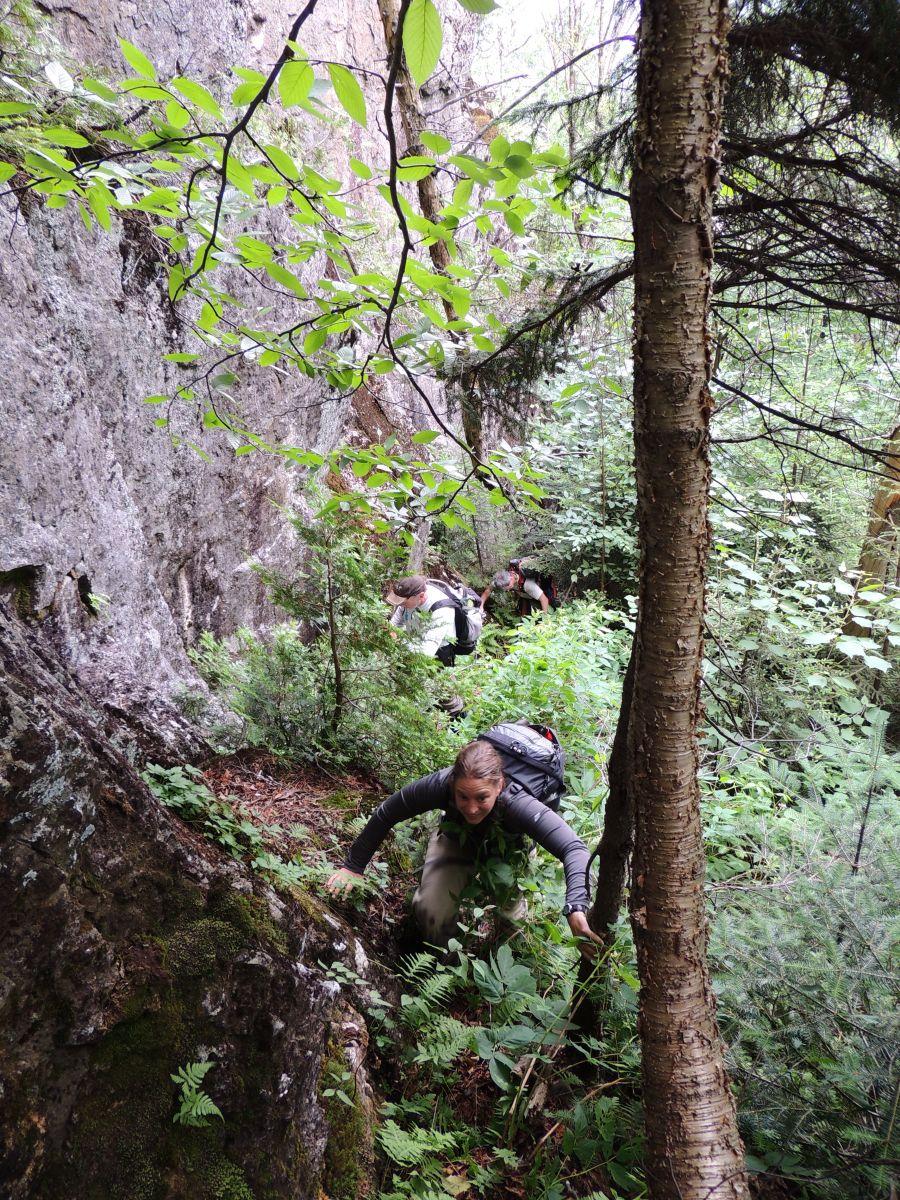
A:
(517, 580)
(433, 632)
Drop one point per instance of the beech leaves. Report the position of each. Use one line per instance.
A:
(422, 39)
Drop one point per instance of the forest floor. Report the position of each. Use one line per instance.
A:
(304, 812)
(313, 809)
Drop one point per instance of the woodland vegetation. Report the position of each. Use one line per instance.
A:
(652, 306)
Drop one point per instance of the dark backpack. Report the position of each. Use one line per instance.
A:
(466, 605)
(532, 757)
(544, 581)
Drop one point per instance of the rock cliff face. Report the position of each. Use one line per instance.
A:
(130, 949)
(124, 544)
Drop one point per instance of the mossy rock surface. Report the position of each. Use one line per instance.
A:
(133, 950)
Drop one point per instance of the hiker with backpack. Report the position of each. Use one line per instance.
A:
(534, 587)
(445, 621)
(503, 787)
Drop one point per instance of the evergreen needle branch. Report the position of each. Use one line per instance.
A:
(627, 37)
(837, 434)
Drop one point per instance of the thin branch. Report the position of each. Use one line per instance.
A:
(540, 83)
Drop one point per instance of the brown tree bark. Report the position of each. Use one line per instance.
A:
(694, 1151)
(617, 840)
(879, 561)
(412, 121)
(613, 855)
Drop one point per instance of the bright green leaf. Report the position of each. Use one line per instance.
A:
(96, 88)
(177, 115)
(282, 161)
(422, 38)
(360, 169)
(314, 341)
(294, 82)
(435, 142)
(198, 94)
(59, 135)
(137, 59)
(243, 94)
(286, 278)
(348, 92)
(99, 207)
(514, 221)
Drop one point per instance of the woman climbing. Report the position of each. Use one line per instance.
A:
(505, 784)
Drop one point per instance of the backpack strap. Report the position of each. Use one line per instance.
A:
(444, 588)
(458, 605)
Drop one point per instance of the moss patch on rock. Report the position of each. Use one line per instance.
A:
(124, 1136)
(347, 1149)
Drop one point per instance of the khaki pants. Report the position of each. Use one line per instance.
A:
(448, 868)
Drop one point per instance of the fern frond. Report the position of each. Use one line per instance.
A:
(410, 1148)
(439, 1043)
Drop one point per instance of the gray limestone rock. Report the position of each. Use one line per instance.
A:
(128, 949)
(121, 543)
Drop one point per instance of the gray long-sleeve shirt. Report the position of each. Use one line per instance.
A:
(516, 810)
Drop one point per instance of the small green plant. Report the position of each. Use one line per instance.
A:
(195, 1107)
(181, 789)
(332, 685)
(97, 602)
(340, 1085)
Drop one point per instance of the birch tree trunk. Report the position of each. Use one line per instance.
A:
(694, 1151)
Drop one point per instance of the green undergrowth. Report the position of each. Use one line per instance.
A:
(488, 1085)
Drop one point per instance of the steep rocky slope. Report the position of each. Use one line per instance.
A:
(130, 949)
(122, 542)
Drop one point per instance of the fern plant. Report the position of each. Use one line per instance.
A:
(195, 1107)
(414, 1147)
(433, 989)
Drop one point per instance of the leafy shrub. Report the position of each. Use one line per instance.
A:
(564, 669)
(806, 965)
(332, 686)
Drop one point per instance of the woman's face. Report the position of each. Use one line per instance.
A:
(476, 797)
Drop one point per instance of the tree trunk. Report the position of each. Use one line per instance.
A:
(412, 120)
(879, 559)
(694, 1151)
(613, 854)
(617, 841)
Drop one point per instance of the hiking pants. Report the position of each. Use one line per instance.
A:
(448, 868)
